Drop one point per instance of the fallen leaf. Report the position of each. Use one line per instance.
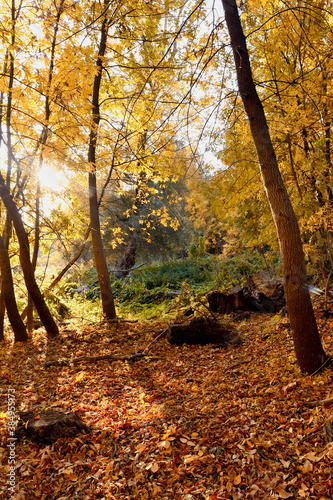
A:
(153, 467)
(238, 479)
(289, 387)
(285, 463)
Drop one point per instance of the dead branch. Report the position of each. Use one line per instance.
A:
(240, 363)
(164, 332)
(319, 402)
(110, 357)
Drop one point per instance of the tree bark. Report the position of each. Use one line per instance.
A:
(309, 351)
(37, 297)
(20, 333)
(30, 305)
(127, 260)
(9, 66)
(96, 237)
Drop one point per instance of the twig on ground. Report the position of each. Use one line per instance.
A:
(318, 402)
(321, 367)
(240, 363)
(155, 339)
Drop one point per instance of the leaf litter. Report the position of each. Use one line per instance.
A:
(184, 423)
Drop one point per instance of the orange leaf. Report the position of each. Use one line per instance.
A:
(238, 479)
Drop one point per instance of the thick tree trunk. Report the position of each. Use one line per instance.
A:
(96, 237)
(309, 351)
(37, 297)
(2, 314)
(14, 317)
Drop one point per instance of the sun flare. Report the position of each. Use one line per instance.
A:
(51, 179)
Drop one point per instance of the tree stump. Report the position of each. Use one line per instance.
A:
(49, 425)
(226, 303)
(247, 299)
(203, 331)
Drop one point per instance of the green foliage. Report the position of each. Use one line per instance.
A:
(159, 284)
(197, 272)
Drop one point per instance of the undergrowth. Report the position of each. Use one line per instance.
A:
(163, 288)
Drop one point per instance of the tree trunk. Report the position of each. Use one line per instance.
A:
(127, 260)
(30, 307)
(309, 351)
(96, 237)
(14, 317)
(37, 297)
(42, 141)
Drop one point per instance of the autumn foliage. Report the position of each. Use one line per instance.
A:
(124, 141)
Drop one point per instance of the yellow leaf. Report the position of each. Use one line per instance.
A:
(81, 376)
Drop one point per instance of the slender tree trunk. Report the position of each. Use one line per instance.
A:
(309, 351)
(96, 237)
(328, 171)
(9, 66)
(127, 260)
(14, 317)
(28, 272)
(42, 142)
(30, 308)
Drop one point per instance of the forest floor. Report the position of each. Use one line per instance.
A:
(186, 423)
